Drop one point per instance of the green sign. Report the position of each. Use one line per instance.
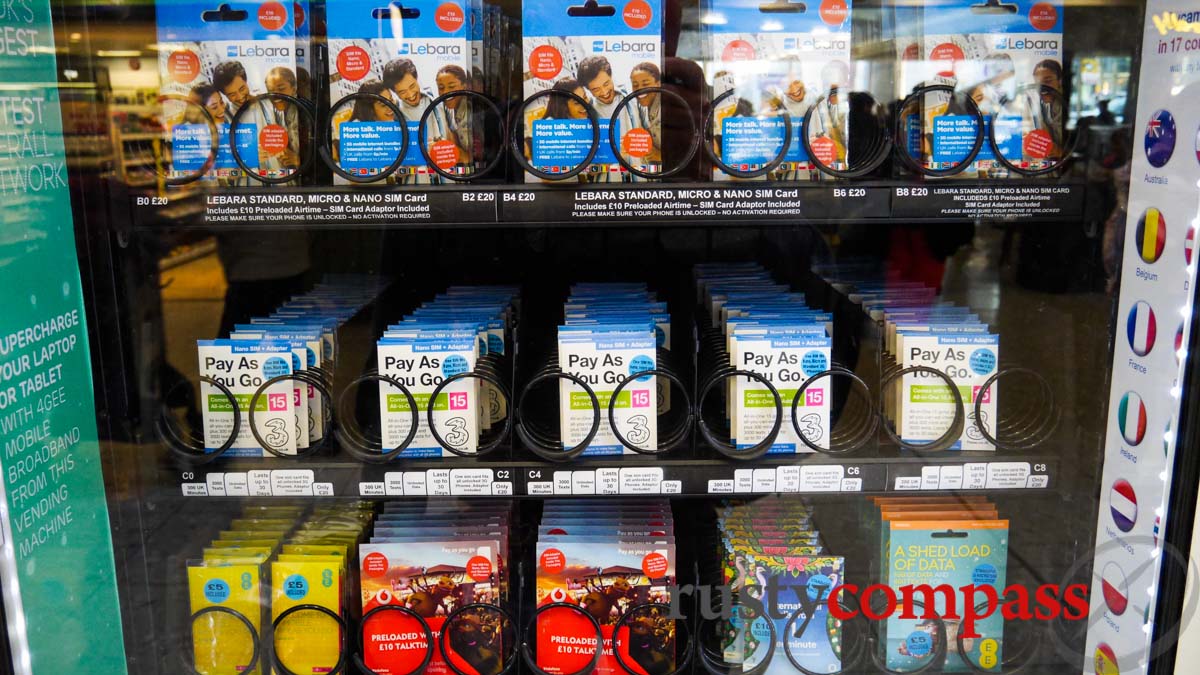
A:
(56, 559)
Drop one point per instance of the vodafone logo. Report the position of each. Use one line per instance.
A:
(449, 17)
(834, 12)
(1043, 16)
(272, 15)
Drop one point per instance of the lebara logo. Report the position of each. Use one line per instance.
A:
(623, 46)
(1026, 44)
(231, 51)
(427, 49)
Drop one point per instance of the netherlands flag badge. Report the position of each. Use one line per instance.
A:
(1123, 504)
(1141, 328)
(1131, 418)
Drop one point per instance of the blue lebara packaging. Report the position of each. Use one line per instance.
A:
(1006, 57)
(768, 58)
(408, 54)
(214, 61)
(600, 53)
(956, 554)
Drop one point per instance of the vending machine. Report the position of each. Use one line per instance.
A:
(599, 337)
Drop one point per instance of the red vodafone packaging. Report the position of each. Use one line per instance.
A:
(432, 579)
(607, 578)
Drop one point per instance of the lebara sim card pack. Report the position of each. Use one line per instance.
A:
(599, 52)
(408, 54)
(213, 62)
(773, 57)
(1006, 57)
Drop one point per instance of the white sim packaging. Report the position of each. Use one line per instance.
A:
(243, 366)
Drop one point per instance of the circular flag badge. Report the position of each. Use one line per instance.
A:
(1114, 588)
(1151, 234)
(1122, 502)
(1179, 343)
(1131, 418)
(1160, 138)
(1189, 245)
(1141, 328)
(1106, 661)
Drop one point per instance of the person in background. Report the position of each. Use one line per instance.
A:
(207, 98)
(797, 100)
(563, 108)
(365, 110)
(262, 268)
(1046, 106)
(230, 78)
(1113, 242)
